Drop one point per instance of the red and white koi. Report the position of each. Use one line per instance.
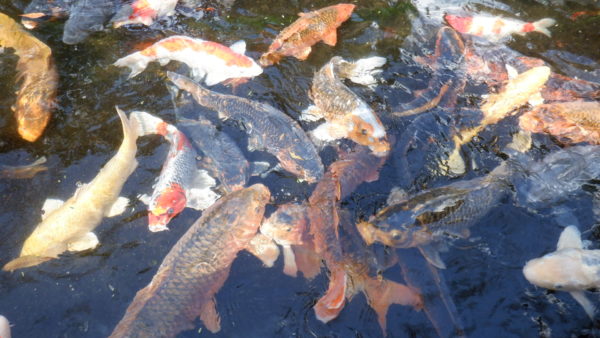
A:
(209, 61)
(180, 184)
(144, 12)
(495, 28)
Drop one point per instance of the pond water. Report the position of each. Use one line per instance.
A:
(86, 294)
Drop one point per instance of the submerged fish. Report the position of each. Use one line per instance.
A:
(87, 17)
(195, 269)
(577, 121)
(24, 171)
(38, 77)
(346, 115)
(570, 268)
(41, 10)
(296, 39)
(448, 66)
(69, 227)
(495, 28)
(267, 128)
(180, 183)
(143, 11)
(209, 61)
(520, 89)
(425, 219)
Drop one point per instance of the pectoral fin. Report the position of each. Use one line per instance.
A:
(382, 294)
(330, 38)
(257, 168)
(456, 164)
(311, 113)
(432, 255)
(264, 249)
(584, 302)
(536, 99)
(289, 261)
(25, 262)
(570, 238)
(118, 207)
(201, 196)
(50, 205)
(307, 261)
(210, 317)
(303, 54)
(239, 47)
(87, 242)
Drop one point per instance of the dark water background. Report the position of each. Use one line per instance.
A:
(85, 295)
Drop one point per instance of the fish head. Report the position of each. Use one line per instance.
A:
(344, 11)
(32, 110)
(169, 203)
(305, 167)
(287, 224)
(563, 270)
(370, 134)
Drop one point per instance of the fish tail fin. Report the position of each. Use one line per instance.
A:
(130, 127)
(147, 124)
(383, 293)
(189, 85)
(25, 262)
(542, 26)
(136, 62)
(331, 304)
(363, 71)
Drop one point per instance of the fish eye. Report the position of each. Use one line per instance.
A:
(363, 131)
(170, 211)
(396, 235)
(288, 229)
(558, 286)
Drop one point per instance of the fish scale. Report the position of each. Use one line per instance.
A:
(195, 268)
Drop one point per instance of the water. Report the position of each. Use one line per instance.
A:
(87, 294)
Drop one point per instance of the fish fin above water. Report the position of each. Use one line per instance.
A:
(25, 262)
(136, 62)
(511, 71)
(87, 242)
(289, 261)
(239, 47)
(263, 248)
(118, 207)
(432, 254)
(580, 297)
(569, 238)
(536, 99)
(257, 168)
(521, 141)
(329, 132)
(210, 317)
(383, 293)
(50, 205)
(311, 114)
(214, 77)
(330, 38)
(456, 164)
(363, 70)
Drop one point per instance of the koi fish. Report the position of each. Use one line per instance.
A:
(69, 226)
(575, 122)
(448, 65)
(570, 268)
(4, 327)
(263, 248)
(38, 77)
(41, 10)
(521, 89)
(209, 61)
(495, 28)
(180, 183)
(425, 219)
(267, 128)
(24, 171)
(297, 39)
(346, 115)
(196, 268)
(143, 11)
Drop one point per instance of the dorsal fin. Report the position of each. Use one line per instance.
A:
(570, 238)
(239, 47)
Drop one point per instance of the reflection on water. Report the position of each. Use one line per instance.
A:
(87, 294)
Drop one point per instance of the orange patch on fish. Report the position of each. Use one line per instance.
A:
(142, 8)
(362, 133)
(330, 305)
(171, 202)
(218, 50)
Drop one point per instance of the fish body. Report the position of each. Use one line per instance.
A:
(143, 12)
(425, 219)
(495, 28)
(347, 115)
(297, 39)
(570, 268)
(557, 176)
(70, 226)
(38, 77)
(448, 66)
(572, 122)
(25, 171)
(222, 157)
(209, 61)
(194, 270)
(180, 183)
(267, 128)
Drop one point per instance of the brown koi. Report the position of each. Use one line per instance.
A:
(25, 171)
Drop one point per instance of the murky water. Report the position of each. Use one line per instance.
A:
(87, 294)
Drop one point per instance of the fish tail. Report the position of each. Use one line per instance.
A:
(147, 124)
(136, 62)
(382, 294)
(25, 262)
(543, 24)
(363, 71)
(130, 128)
(331, 304)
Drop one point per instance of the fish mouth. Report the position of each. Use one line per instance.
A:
(157, 223)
